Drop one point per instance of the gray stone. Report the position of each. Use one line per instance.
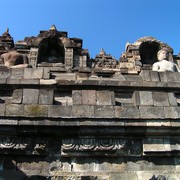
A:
(104, 111)
(172, 99)
(89, 97)
(30, 96)
(152, 112)
(13, 81)
(37, 73)
(27, 73)
(162, 76)
(160, 98)
(65, 76)
(133, 78)
(17, 73)
(127, 112)
(171, 113)
(124, 176)
(46, 96)
(143, 98)
(17, 96)
(172, 76)
(154, 76)
(46, 73)
(83, 111)
(57, 111)
(105, 98)
(36, 110)
(14, 110)
(29, 81)
(145, 74)
(48, 82)
(2, 109)
(77, 97)
(5, 73)
(2, 81)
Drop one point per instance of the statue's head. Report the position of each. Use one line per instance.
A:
(163, 54)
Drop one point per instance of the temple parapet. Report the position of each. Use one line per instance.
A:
(66, 116)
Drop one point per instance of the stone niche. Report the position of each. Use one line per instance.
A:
(141, 54)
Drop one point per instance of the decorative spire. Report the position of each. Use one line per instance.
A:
(102, 52)
(53, 28)
(7, 30)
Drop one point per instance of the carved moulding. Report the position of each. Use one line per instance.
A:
(101, 147)
(23, 145)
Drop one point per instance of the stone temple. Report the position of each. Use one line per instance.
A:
(64, 115)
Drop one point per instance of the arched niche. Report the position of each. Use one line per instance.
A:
(148, 52)
(51, 50)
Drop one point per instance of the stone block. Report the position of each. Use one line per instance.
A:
(162, 76)
(15, 110)
(104, 111)
(172, 76)
(46, 96)
(89, 97)
(171, 113)
(5, 73)
(77, 97)
(17, 96)
(83, 111)
(105, 98)
(29, 81)
(17, 73)
(65, 76)
(152, 112)
(160, 98)
(46, 73)
(154, 76)
(2, 109)
(172, 99)
(123, 176)
(37, 73)
(143, 98)
(3, 81)
(127, 112)
(47, 82)
(56, 111)
(13, 81)
(27, 73)
(36, 110)
(145, 74)
(30, 96)
(133, 78)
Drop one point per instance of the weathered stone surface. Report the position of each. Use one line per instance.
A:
(105, 98)
(152, 112)
(127, 112)
(30, 81)
(15, 110)
(83, 111)
(172, 99)
(56, 111)
(4, 73)
(89, 97)
(145, 74)
(160, 98)
(17, 73)
(17, 96)
(154, 76)
(28, 98)
(36, 110)
(162, 76)
(2, 109)
(171, 112)
(46, 96)
(77, 97)
(104, 112)
(143, 98)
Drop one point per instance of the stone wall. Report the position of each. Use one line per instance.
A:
(62, 126)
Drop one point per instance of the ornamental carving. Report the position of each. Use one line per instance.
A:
(108, 146)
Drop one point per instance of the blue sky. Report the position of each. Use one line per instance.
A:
(107, 24)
